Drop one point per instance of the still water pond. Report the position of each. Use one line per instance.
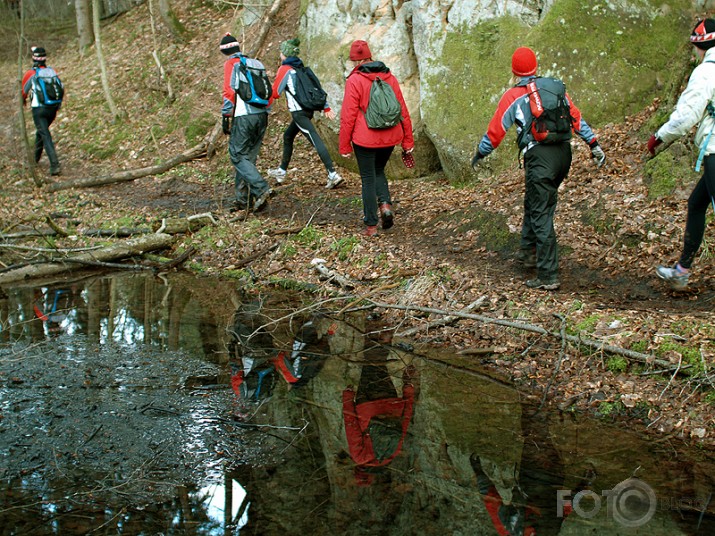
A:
(139, 405)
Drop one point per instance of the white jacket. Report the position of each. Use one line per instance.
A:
(691, 107)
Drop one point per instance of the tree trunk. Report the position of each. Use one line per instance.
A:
(163, 75)
(266, 25)
(122, 250)
(29, 152)
(100, 59)
(178, 31)
(85, 32)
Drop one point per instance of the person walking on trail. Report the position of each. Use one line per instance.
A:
(43, 113)
(546, 162)
(286, 82)
(246, 124)
(694, 106)
(372, 146)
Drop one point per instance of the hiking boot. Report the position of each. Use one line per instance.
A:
(527, 257)
(677, 279)
(261, 201)
(278, 173)
(55, 170)
(544, 284)
(334, 179)
(370, 230)
(386, 215)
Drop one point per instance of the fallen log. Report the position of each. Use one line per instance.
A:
(590, 343)
(123, 250)
(206, 147)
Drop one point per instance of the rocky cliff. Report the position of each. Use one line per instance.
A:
(453, 57)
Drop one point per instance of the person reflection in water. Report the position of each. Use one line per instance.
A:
(256, 363)
(376, 417)
(526, 505)
(53, 307)
(251, 350)
(307, 355)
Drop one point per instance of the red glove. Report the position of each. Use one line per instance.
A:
(653, 142)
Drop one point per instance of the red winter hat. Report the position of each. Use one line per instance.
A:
(703, 35)
(523, 62)
(360, 51)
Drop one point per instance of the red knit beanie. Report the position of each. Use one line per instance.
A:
(523, 62)
(360, 51)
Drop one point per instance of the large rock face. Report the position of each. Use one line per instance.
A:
(453, 59)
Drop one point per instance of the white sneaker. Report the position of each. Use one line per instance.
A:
(334, 179)
(279, 174)
(678, 280)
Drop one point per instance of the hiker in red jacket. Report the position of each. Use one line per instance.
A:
(546, 161)
(285, 82)
(43, 114)
(372, 147)
(376, 419)
(246, 126)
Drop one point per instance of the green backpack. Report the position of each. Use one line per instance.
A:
(383, 109)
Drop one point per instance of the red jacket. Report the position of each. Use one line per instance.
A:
(353, 127)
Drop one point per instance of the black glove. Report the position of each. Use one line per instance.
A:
(476, 159)
(226, 124)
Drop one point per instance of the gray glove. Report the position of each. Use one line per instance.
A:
(599, 157)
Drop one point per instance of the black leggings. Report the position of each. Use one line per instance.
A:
(43, 118)
(698, 202)
(371, 163)
(302, 123)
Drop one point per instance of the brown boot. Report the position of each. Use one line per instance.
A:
(387, 215)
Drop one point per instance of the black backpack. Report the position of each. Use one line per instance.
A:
(551, 120)
(308, 91)
(47, 86)
(254, 86)
(383, 109)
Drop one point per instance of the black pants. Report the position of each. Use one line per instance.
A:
(546, 166)
(371, 163)
(43, 116)
(243, 147)
(700, 199)
(302, 122)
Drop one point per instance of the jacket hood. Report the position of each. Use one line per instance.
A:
(293, 61)
(372, 67)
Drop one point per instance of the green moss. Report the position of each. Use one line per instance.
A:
(344, 246)
(198, 127)
(617, 364)
(610, 409)
(667, 170)
(640, 346)
(309, 236)
(587, 325)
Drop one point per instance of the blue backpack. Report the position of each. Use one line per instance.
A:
(253, 85)
(47, 86)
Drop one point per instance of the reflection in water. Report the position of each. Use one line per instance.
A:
(133, 405)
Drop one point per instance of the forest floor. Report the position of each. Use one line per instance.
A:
(452, 244)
